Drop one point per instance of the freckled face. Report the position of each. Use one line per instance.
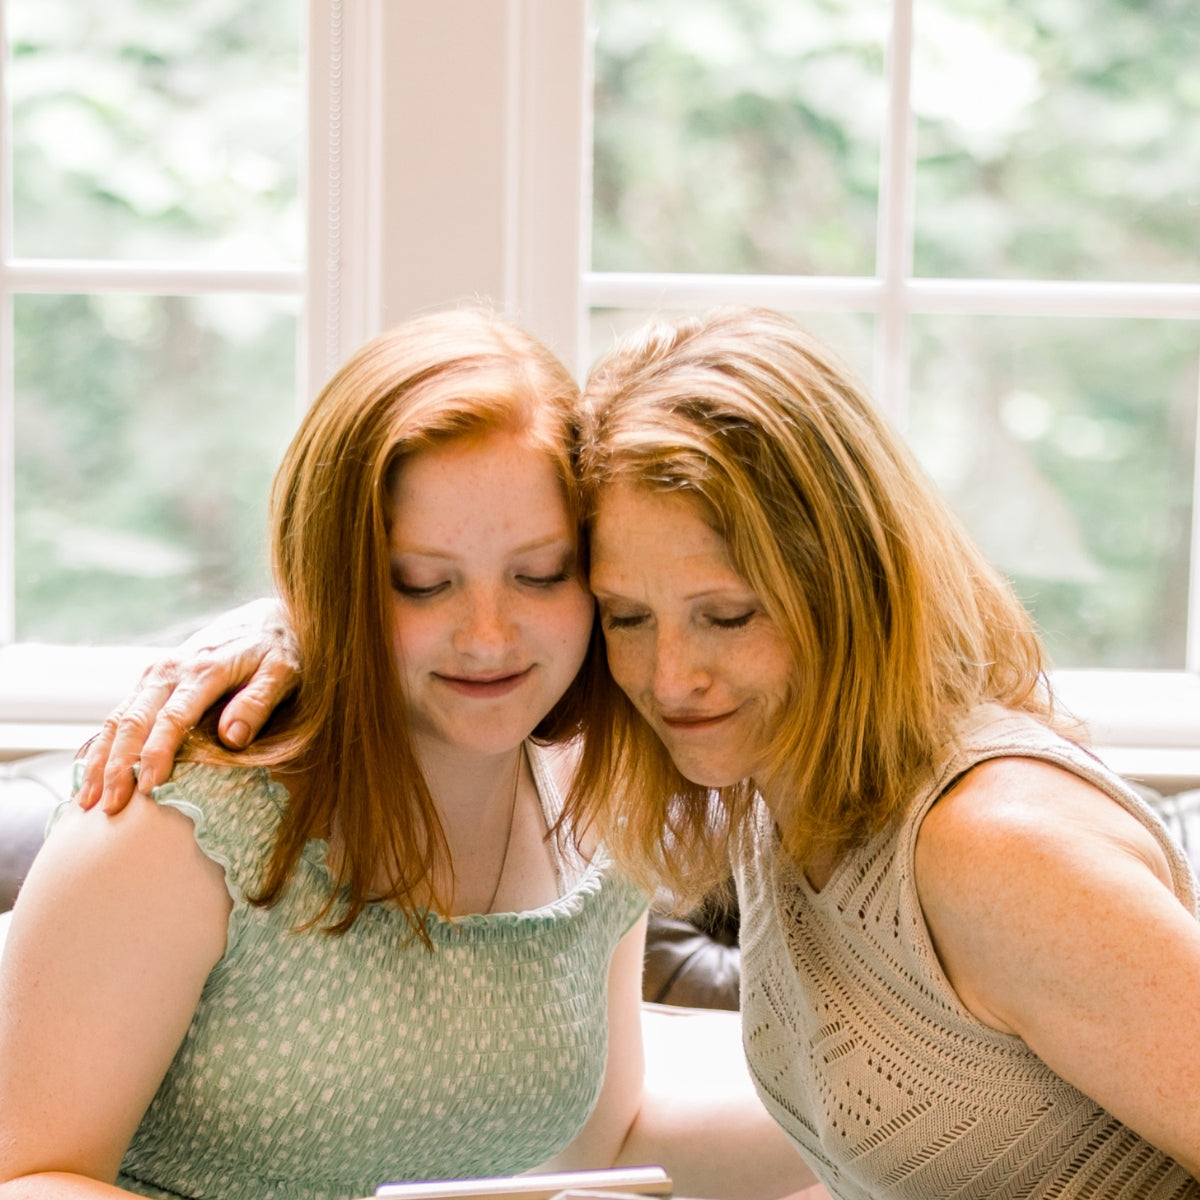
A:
(688, 640)
(491, 619)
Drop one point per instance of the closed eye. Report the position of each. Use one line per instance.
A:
(612, 621)
(738, 622)
(413, 591)
(544, 581)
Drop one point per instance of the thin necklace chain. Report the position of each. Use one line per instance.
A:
(512, 813)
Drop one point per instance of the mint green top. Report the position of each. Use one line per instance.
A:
(319, 1066)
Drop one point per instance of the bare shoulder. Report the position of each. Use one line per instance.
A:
(1052, 912)
(144, 828)
(145, 857)
(1006, 809)
(131, 900)
(113, 935)
(1021, 858)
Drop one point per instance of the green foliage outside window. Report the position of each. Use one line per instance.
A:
(147, 427)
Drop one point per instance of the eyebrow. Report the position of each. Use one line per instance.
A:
(707, 593)
(524, 548)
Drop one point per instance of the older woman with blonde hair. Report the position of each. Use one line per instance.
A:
(970, 954)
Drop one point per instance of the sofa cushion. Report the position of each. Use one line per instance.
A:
(29, 790)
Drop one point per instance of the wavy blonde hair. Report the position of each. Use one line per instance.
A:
(448, 375)
(897, 626)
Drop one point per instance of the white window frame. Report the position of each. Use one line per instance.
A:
(428, 184)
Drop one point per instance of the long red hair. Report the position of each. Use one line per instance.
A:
(345, 734)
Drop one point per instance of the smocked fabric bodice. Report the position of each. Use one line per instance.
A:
(318, 1067)
(863, 1052)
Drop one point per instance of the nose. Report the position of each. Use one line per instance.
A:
(680, 672)
(485, 628)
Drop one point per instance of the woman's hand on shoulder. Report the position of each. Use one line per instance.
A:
(1052, 911)
(251, 646)
(116, 929)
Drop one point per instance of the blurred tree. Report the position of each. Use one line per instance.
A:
(739, 137)
(157, 129)
(147, 427)
(1058, 140)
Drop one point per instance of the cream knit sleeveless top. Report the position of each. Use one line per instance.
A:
(863, 1053)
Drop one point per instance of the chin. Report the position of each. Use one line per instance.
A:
(489, 739)
(706, 775)
(501, 743)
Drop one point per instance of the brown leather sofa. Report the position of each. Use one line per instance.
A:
(29, 790)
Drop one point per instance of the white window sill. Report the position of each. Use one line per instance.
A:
(55, 697)
(1146, 724)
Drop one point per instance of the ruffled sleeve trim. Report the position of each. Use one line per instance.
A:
(235, 811)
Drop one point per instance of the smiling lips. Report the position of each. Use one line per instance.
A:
(485, 688)
(687, 722)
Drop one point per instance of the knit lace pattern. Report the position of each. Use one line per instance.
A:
(886, 1084)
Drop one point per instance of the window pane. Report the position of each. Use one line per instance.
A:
(851, 335)
(1068, 447)
(737, 135)
(147, 431)
(1058, 140)
(150, 130)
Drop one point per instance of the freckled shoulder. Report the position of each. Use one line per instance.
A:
(1006, 803)
(1011, 842)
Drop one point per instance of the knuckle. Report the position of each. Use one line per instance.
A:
(108, 731)
(209, 673)
(255, 708)
(280, 668)
(176, 718)
(136, 721)
(163, 672)
(204, 661)
(117, 770)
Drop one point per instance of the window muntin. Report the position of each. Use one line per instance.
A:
(851, 334)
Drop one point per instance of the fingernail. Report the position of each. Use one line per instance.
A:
(86, 796)
(146, 782)
(239, 733)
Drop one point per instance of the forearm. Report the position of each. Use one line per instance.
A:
(60, 1185)
(700, 1117)
(719, 1147)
